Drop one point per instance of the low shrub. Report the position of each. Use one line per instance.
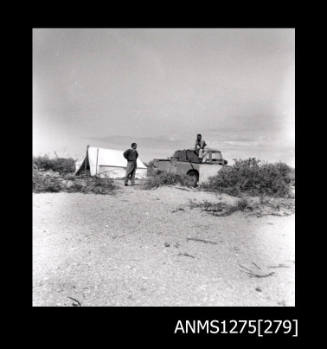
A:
(45, 183)
(253, 177)
(166, 178)
(243, 204)
(60, 165)
(216, 208)
(102, 185)
(48, 183)
(259, 208)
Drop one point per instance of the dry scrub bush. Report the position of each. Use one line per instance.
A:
(45, 182)
(165, 178)
(60, 165)
(220, 208)
(253, 178)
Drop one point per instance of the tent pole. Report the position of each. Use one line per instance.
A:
(96, 167)
(86, 157)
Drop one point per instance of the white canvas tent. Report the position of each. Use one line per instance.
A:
(107, 163)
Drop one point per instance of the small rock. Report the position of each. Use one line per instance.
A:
(258, 289)
(166, 244)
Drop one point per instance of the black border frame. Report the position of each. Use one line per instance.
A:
(122, 322)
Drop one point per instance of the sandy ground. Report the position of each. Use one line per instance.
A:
(135, 248)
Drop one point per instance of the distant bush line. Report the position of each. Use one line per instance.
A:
(250, 176)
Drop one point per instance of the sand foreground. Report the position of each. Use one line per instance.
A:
(149, 248)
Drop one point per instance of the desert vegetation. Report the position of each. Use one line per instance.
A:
(259, 206)
(250, 177)
(220, 208)
(253, 177)
(157, 180)
(57, 175)
(60, 165)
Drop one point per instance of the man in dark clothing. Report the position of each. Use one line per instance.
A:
(131, 156)
(199, 146)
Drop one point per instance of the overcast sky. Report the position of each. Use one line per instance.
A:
(159, 87)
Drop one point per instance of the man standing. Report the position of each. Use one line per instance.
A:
(199, 146)
(131, 156)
